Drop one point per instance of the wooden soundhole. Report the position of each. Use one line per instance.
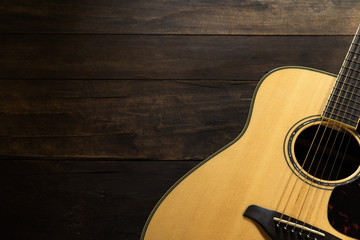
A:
(324, 153)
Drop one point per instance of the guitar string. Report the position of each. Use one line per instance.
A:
(342, 139)
(302, 166)
(323, 192)
(334, 89)
(329, 176)
(331, 150)
(329, 137)
(343, 158)
(323, 172)
(291, 175)
(296, 179)
(307, 177)
(327, 142)
(316, 171)
(306, 158)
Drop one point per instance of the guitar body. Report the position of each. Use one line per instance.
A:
(209, 202)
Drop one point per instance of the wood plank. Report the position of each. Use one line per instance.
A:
(269, 17)
(82, 199)
(164, 120)
(163, 57)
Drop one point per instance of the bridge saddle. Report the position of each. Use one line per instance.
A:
(282, 227)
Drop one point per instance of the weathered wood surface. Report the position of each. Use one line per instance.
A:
(269, 17)
(82, 199)
(163, 57)
(163, 120)
(99, 89)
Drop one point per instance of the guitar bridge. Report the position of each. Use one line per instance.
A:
(297, 226)
(278, 228)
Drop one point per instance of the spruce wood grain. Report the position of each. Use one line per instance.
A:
(253, 170)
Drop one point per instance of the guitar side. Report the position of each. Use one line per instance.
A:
(209, 201)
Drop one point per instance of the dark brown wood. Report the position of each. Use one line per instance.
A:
(344, 103)
(163, 57)
(274, 17)
(164, 120)
(99, 89)
(82, 199)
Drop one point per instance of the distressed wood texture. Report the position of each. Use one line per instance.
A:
(279, 17)
(82, 199)
(164, 57)
(163, 120)
(98, 90)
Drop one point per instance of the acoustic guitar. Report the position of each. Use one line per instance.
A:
(292, 173)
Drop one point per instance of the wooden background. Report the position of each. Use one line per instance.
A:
(105, 104)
